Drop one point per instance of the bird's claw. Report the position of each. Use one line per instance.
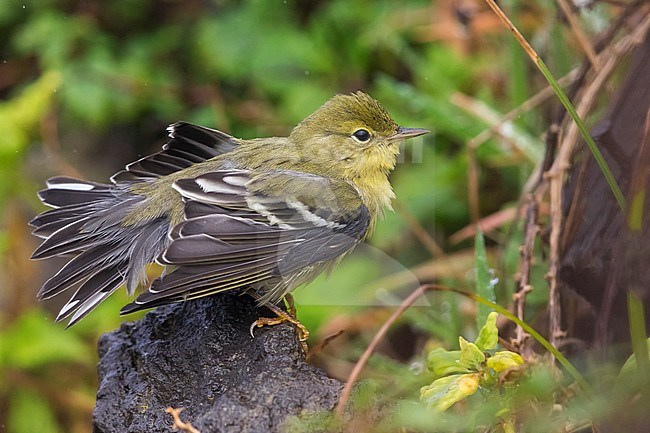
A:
(282, 317)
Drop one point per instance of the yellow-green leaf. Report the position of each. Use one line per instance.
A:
(444, 392)
(470, 355)
(489, 336)
(504, 360)
(484, 282)
(444, 362)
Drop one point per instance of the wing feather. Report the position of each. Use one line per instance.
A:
(265, 231)
(188, 145)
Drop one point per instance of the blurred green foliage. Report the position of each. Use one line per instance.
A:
(92, 85)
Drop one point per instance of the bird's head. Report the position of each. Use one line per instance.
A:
(352, 135)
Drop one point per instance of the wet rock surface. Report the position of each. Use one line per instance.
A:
(199, 356)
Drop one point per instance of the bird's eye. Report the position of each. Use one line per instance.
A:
(361, 135)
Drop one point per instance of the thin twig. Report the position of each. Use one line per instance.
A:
(323, 344)
(583, 41)
(532, 102)
(419, 231)
(513, 137)
(178, 424)
(361, 363)
(520, 38)
(526, 252)
(379, 336)
(487, 224)
(554, 306)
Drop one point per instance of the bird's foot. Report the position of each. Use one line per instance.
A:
(283, 317)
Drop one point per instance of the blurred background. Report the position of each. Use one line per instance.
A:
(87, 86)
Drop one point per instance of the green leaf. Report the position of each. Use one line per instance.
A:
(504, 360)
(20, 116)
(484, 282)
(444, 392)
(488, 337)
(444, 362)
(470, 355)
(34, 341)
(19, 119)
(629, 374)
(30, 412)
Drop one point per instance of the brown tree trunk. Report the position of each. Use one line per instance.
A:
(604, 253)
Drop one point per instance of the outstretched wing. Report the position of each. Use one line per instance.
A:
(272, 231)
(86, 224)
(188, 145)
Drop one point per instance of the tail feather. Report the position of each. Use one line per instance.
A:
(71, 183)
(88, 225)
(81, 267)
(58, 215)
(92, 292)
(188, 144)
(90, 304)
(47, 229)
(66, 191)
(114, 215)
(139, 255)
(88, 222)
(63, 197)
(66, 240)
(91, 227)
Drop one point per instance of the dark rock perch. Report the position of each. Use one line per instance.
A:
(199, 355)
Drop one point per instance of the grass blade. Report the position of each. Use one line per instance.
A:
(484, 283)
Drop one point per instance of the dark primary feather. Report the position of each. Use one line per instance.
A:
(189, 145)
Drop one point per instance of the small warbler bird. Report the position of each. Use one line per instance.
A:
(261, 216)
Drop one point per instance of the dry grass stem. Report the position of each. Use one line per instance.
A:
(506, 21)
(534, 101)
(513, 136)
(483, 112)
(487, 224)
(473, 187)
(579, 34)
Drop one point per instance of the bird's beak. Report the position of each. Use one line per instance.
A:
(403, 133)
